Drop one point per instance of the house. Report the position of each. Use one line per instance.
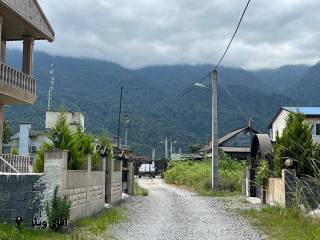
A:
(235, 144)
(311, 114)
(20, 21)
(75, 119)
(28, 141)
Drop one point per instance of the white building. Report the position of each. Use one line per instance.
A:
(311, 114)
(75, 119)
(28, 141)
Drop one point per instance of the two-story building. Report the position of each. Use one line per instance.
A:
(311, 115)
(20, 20)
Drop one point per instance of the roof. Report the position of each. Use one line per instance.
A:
(307, 111)
(32, 14)
(261, 143)
(229, 136)
(235, 149)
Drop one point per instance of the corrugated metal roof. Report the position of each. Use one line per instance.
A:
(235, 149)
(227, 137)
(304, 110)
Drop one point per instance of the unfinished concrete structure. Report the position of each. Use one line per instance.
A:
(20, 21)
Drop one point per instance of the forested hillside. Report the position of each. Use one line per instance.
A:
(156, 99)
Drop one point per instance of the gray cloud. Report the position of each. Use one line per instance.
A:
(137, 33)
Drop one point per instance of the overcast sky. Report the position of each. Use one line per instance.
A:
(136, 33)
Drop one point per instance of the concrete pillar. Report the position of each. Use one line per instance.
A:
(3, 50)
(109, 172)
(1, 36)
(130, 177)
(24, 138)
(1, 126)
(27, 60)
(55, 171)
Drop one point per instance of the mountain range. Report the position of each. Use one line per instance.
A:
(160, 101)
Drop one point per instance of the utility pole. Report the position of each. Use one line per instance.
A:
(51, 89)
(214, 134)
(153, 156)
(126, 134)
(119, 119)
(171, 148)
(166, 148)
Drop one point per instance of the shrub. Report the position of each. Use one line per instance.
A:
(57, 209)
(295, 142)
(78, 143)
(263, 173)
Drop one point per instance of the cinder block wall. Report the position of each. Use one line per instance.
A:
(85, 188)
(19, 196)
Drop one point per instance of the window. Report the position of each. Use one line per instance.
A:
(317, 129)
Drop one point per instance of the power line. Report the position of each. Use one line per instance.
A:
(188, 90)
(235, 103)
(234, 34)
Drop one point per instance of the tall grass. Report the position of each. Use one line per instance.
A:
(198, 175)
(284, 223)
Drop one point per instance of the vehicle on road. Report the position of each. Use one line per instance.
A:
(147, 170)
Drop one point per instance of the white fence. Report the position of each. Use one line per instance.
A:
(15, 163)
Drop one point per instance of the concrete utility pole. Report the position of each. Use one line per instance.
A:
(153, 156)
(171, 148)
(119, 118)
(166, 148)
(126, 134)
(214, 134)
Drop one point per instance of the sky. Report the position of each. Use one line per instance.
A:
(138, 33)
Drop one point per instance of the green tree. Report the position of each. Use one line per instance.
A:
(194, 148)
(6, 132)
(78, 143)
(295, 142)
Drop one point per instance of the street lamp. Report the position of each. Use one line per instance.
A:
(214, 133)
(171, 147)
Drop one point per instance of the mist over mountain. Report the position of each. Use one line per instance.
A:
(159, 100)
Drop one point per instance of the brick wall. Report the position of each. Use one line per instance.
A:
(19, 196)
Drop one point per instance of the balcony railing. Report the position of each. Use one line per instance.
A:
(15, 163)
(17, 78)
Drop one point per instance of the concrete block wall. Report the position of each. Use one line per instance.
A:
(84, 188)
(20, 196)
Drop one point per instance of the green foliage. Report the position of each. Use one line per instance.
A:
(263, 173)
(295, 142)
(102, 222)
(57, 208)
(198, 175)
(6, 132)
(284, 223)
(78, 143)
(194, 148)
(14, 150)
(139, 191)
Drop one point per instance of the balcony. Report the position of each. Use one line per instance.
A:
(16, 87)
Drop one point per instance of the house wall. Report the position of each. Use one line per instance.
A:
(279, 124)
(242, 139)
(73, 118)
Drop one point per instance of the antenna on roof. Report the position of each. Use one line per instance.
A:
(50, 94)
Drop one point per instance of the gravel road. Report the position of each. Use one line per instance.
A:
(169, 212)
